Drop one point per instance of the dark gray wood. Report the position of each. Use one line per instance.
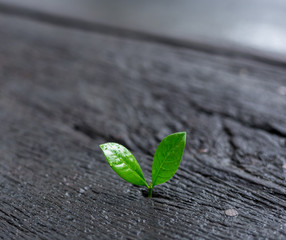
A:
(272, 53)
(255, 24)
(65, 91)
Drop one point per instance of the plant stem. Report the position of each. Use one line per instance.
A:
(150, 191)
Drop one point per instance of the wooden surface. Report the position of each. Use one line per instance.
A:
(64, 91)
(259, 25)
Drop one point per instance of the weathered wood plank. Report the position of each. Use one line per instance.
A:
(187, 22)
(64, 91)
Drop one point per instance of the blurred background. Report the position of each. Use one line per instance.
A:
(256, 25)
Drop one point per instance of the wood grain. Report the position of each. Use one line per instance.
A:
(65, 91)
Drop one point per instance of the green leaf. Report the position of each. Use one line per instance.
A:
(123, 163)
(167, 157)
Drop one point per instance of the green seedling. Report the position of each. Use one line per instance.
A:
(166, 161)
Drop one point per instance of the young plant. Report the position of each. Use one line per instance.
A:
(166, 161)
